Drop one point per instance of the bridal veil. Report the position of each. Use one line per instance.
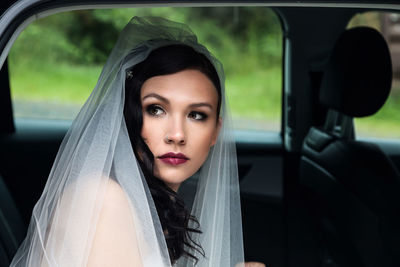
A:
(96, 159)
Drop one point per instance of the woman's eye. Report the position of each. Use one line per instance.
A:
(199, 116)
(154, 110)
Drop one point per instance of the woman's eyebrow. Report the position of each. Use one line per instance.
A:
(161, 98)
(165, 100)
(201, 104)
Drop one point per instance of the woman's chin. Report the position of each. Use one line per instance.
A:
(173, 181)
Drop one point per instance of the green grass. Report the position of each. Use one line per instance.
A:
(254, 96)
(52, 82)
(386, 122)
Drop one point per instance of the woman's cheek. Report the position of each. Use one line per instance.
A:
(204, 141)
(151, 133)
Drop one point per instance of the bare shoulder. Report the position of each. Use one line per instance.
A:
(115, 241)
(94, 219)
(114, 192)
(81, 199)
(90, 188)
(115, 199)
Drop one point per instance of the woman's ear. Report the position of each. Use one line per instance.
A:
(216, 133)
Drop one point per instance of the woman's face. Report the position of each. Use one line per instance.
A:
(180, 123)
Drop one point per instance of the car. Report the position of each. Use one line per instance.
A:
(301, 205)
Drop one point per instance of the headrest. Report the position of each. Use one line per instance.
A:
(358, 76)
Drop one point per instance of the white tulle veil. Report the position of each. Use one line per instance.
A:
(97, 151)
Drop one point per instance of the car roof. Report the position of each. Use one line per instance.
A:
(5, 4)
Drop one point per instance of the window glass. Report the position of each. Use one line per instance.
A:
(55, 62)
(385, 123)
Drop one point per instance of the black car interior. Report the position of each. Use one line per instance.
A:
(312, 195)
(12, 229)
(352, 185)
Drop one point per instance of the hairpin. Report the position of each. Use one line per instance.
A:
(129, 74)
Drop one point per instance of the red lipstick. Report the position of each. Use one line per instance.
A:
(173, 158)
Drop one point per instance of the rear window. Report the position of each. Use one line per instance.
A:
(385, 123)
(55, 62)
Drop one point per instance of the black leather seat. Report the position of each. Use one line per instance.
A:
(12, 229)
(352, 187)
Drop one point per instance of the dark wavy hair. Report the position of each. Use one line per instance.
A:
(174, 216)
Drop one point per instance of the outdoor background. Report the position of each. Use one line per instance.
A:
(55, 62)
(386, 122)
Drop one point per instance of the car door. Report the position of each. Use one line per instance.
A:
(30, 141)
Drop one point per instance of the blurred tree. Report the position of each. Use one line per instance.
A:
(87, 36)
(93, 35)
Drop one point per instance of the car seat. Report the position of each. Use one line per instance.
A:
(352, 187)
(12, 229)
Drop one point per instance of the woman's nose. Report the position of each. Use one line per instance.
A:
(176, 133)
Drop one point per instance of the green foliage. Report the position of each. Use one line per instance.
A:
(66, 51)
(40, 44)
(58, 58)
(87, 36)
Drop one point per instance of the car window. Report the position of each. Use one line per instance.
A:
(55, 62)
(385, 123)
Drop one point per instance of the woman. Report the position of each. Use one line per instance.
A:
(156, 116)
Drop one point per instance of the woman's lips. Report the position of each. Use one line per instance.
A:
(173, 159)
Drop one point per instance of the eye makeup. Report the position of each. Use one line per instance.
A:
(154, 110)
(198, 116)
